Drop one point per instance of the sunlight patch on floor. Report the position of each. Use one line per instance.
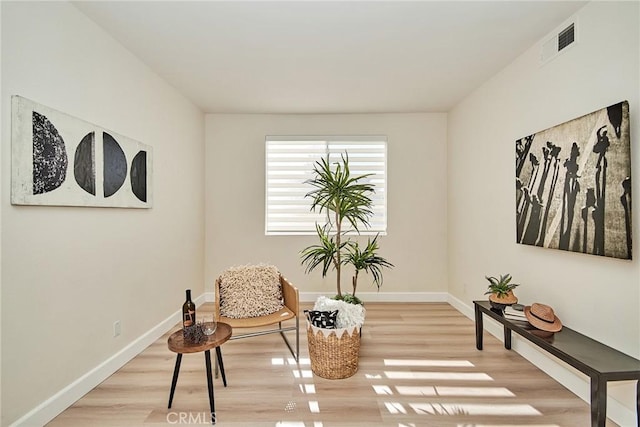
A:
(308, 388)
(450, 391)
(280, 361)
(296, 424)
(382, 389)
(444, 391)
(410, 369)
(426, 362)
(457, 376)
(474, 409)
(395, 408)
(507, 425)
(302, 373)
(314, 407)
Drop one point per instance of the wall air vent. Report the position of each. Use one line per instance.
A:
(566, 37)
(559, 41)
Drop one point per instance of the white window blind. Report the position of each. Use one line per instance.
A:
(290, 162)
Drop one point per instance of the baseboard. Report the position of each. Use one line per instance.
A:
(461, 306)
(52, 407)
(370, 296)
(572, 379)
(385, 296)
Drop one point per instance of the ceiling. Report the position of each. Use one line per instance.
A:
(327, 56)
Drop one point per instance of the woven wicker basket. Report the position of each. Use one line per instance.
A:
(334, 355)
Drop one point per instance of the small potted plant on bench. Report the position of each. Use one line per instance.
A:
(500, 291)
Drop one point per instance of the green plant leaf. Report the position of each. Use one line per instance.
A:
(501, 286)
(337, 191)
(351, 299)
(323, 253)
(367, 260)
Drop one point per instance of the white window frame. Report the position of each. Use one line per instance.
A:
(302, 152)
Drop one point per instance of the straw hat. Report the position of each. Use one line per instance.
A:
(542, 317)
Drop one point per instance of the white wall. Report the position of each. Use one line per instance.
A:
(69, 273)
(417, 217)
(595, 295)
(1, 195)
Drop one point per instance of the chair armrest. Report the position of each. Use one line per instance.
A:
(216, 301)
(290, 295)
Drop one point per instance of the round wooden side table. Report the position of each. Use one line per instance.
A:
(178, 345)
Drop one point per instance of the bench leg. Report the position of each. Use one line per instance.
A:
(507, 338)
(479, 327)
(598, 402)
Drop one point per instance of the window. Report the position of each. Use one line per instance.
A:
(290, 162)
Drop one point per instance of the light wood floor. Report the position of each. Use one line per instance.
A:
(418, 367)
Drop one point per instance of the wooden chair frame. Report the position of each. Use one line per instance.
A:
(290, 311)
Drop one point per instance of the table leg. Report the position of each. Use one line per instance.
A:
(176, 370)
(479, 327)
(207, 361)
(598, 402)
(507, 338)
(219, 356)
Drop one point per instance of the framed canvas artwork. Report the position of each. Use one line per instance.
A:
(60, 160)
(573, 185)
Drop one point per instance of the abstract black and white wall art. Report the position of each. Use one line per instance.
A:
(61, 160)
(573, 185)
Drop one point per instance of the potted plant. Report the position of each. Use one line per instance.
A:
(347, 202)
(501, 291)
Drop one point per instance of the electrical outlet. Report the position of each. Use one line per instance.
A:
(117, 328)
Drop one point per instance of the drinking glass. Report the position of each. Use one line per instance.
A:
(209, 324)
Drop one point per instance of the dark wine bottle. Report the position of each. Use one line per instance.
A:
(188, 311)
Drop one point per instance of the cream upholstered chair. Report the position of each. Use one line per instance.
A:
(257, 297)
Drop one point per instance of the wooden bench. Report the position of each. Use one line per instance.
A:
(600, 362)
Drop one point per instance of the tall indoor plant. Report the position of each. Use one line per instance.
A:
(347, 202)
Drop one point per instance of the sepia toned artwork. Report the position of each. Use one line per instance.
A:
(573, 185)
(60, 160)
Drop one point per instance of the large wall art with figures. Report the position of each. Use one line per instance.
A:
(573, 185)
(61, 160)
